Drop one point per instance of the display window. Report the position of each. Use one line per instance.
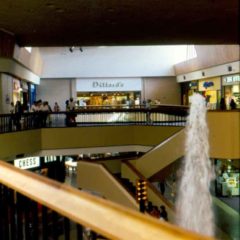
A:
(187, 89)
(227, 177)
(16, 91)
(108, 98)
(21, 93)
(211, 89)
(231, 90)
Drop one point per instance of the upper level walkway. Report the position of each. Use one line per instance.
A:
(113, 127)
(161, 115)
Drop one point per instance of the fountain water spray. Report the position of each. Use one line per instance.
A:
(194, 202)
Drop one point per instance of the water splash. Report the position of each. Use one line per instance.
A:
(194, 203)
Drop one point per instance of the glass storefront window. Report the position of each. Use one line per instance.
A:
(227, 177)
(109, 98)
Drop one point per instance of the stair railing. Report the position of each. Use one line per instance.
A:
(104, 217)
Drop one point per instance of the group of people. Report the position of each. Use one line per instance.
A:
(39, 120)
(223, 105)
(160, 213)
(16, 112)
(42, 109)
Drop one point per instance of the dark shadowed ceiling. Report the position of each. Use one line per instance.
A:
(120, 22)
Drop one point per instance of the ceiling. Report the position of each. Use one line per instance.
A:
(119, 22)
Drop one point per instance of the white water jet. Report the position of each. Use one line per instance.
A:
(194, 202)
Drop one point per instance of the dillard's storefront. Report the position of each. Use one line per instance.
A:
(109, 91)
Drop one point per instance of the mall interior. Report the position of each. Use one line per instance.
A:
(103, 163)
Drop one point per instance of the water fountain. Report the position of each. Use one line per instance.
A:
(194, 203)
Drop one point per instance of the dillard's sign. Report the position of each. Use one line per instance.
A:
(107, 85)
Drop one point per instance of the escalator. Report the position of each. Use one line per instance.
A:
(162, 155)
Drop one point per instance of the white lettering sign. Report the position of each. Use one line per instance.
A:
(109, 85)
(26, 163)
(48, 159)
(231, 79)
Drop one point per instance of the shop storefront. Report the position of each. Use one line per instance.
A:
(32, 94)
(97, 92)
(25, 95)
(211, 89)
(21, 93)
(16, 90)
(231, 89)
(227, 177)
(187, 90)
(51, 166)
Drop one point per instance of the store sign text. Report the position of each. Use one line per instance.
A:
(208, 84)
(231, 79)
(48, 159)
(26, 163)
(107, 85)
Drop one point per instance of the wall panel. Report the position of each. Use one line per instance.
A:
(166, 89)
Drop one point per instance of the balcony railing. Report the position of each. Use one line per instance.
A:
(167, 115)
(34, 207)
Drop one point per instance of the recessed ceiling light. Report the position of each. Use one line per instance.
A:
(60, 10)
(50, 5)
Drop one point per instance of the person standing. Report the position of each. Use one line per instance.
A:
(161, 185)
(72, 116)
(11, 118)
(45, 112)
(71, 104)
(233, 105)
(56, 107)
(163, 213)
(223, 104)
(18, 115)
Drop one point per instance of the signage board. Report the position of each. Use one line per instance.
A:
(48, 159)
(16, 85)
(109, 85)
(27, 163)
(230, 80)
(211, 84)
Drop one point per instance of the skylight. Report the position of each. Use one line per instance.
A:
(191, 52)
(29, 49)
(183, 53)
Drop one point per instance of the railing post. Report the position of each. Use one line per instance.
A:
(4, 229)
(148, 117)
(19, 212)
(12, 212)
(35, 222)
(66, 228)
(44, 223)
(27, 218)
(55, 225)
(79, 232)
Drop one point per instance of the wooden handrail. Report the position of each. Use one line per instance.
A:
(170, 109)
(103, 216)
